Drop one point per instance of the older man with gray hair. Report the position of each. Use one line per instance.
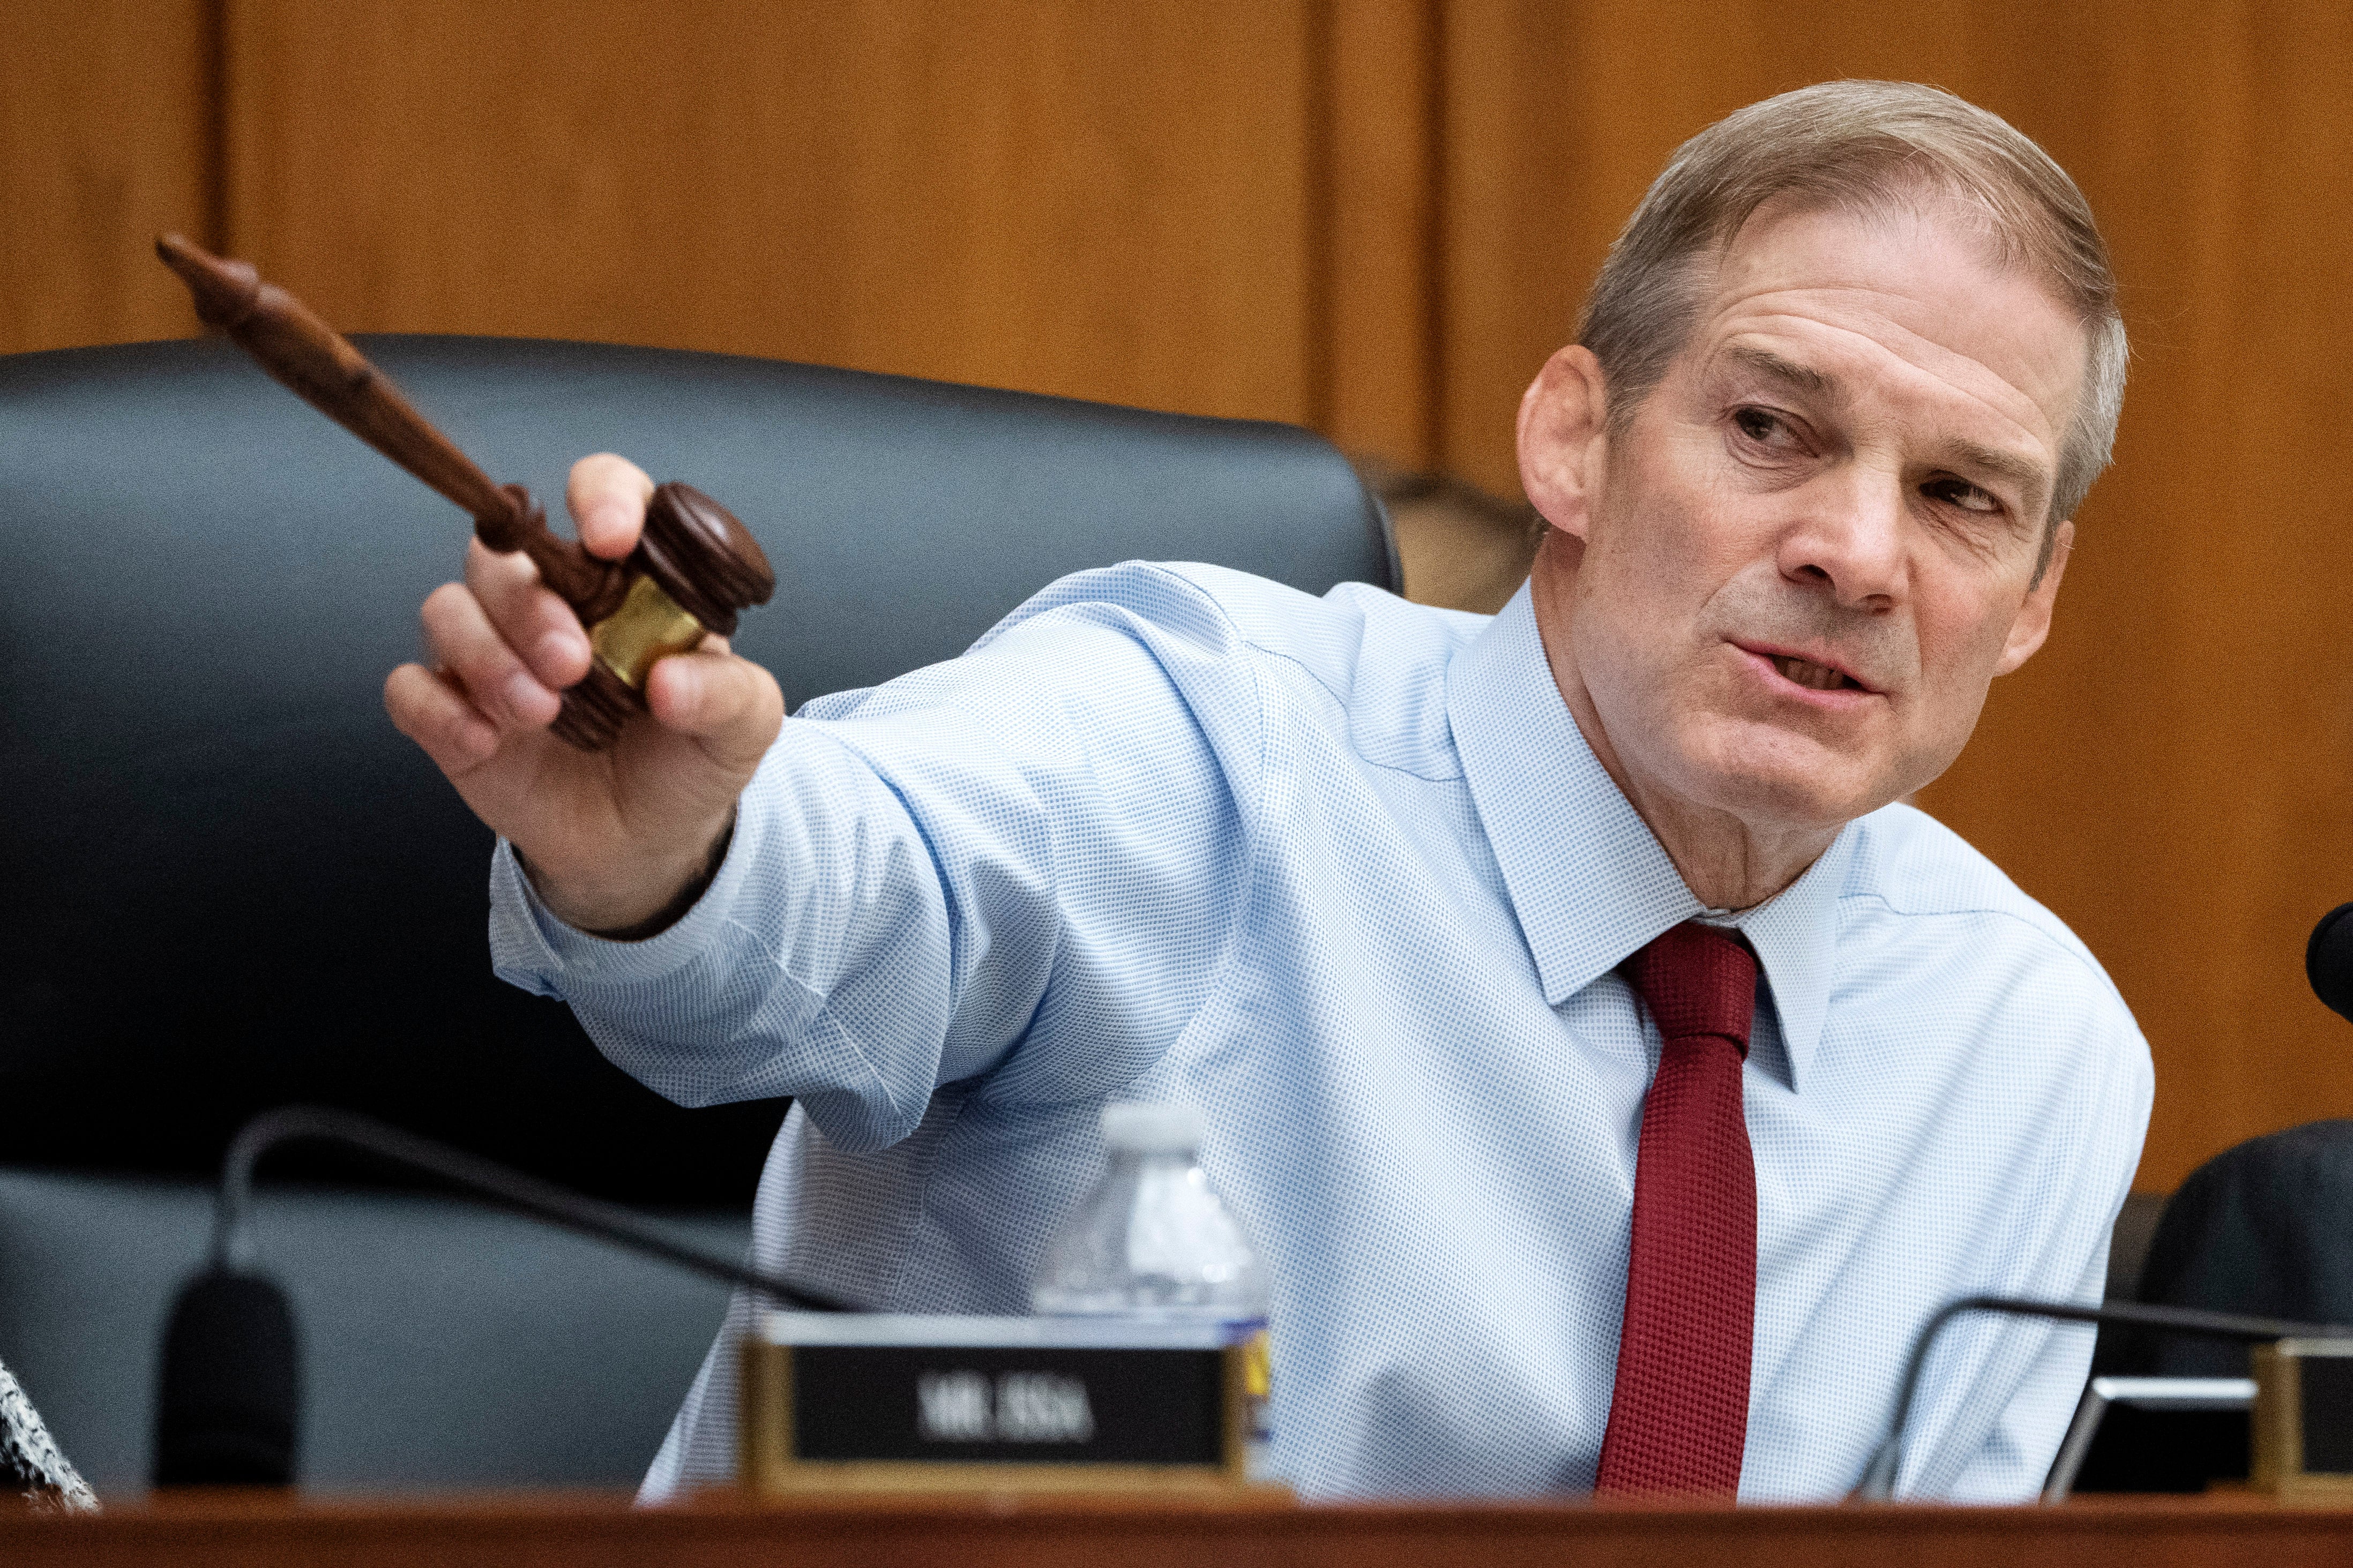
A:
(1615, 1076)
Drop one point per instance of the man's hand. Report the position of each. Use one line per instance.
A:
(613, 840)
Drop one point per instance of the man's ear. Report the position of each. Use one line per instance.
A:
(2033, 620)
(1562, 420)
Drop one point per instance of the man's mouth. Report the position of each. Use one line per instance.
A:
(1813, 677)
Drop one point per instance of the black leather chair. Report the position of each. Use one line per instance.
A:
(2265, 1228)
(230, 884)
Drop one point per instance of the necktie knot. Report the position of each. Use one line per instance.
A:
(1697, 979)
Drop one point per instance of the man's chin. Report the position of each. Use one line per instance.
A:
(1790, 792)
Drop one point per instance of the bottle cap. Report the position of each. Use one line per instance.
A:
(1151, 1129)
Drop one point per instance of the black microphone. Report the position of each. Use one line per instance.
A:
(229, 1395)
(230, 1391)
(1878, 1482)
(2329, 961)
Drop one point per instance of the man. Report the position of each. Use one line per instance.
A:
(1615, 1079)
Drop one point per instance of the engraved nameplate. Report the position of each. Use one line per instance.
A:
(919, 1401)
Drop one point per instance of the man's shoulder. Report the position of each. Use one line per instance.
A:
(1907, 865)
(1354, 632)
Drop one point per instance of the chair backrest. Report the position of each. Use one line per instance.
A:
(232, 884)
(2261, 1228)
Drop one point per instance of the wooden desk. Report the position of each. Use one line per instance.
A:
(1008, 1531)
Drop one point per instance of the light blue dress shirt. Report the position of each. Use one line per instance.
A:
(1345, 873)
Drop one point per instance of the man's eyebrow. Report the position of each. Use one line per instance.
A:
(1805, 378)
(2030, 476)
(2032, 480)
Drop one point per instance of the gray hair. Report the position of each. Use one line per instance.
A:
(1868, 146)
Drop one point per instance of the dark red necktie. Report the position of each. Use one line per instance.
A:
(1679, 1418)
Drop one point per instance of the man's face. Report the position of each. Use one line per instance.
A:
(1814, 545)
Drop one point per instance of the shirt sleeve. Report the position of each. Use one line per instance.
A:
(1023, 863)
(2031, 1371)
(2010, 1466)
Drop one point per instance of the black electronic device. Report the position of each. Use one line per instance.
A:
(2154, 1434)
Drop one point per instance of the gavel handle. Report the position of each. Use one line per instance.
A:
(321, 365)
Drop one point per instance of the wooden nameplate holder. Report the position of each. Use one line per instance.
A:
(695, 565)
(2301, 1431)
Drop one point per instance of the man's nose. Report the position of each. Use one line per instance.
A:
(1848, 535)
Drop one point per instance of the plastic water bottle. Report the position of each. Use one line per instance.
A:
(1154, 1239)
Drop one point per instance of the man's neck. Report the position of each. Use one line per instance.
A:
(1727, 862)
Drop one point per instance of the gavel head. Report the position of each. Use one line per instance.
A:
(706, 561)
(695, 567)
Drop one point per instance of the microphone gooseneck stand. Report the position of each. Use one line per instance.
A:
(233, 1224)
(1878, 1484)
(229, 1391)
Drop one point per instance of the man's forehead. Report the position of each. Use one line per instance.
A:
(1897, 304)
(1922, 283)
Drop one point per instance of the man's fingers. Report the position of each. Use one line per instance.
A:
(465, 644)
(730, 705)
(431, 711)
(540, 628)
(607, 496)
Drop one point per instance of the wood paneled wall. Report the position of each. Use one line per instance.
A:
(1377, 217)
(1111, 201)
(109, 134)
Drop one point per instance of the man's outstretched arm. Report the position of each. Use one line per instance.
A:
(900, 885)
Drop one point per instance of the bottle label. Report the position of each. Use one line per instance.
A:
(1258, 1396)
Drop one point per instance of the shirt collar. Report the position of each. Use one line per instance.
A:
(1587, 876)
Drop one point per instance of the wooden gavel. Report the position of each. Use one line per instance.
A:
(694, 567)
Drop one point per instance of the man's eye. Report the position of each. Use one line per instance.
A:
(1960, 493)
(1756, 425)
